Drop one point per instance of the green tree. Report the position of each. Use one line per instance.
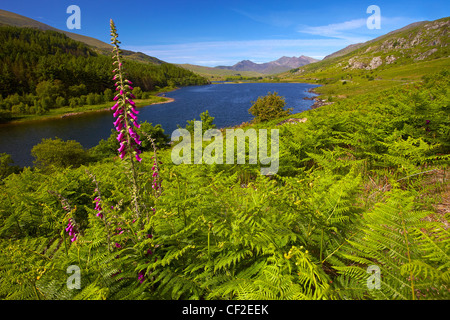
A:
(90, 99)
(108, 95)
(60, 102)
(59, 153)
(156, 133)
(137, 91)
(269, 107)
(49, 89)
(207, 122)
(6, 167)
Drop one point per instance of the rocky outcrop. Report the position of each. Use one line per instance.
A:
(374, 63)
(354, 63)
(390, 59)
(422, 56)
(292, 121)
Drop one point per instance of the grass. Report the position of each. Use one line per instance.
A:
(338, 83)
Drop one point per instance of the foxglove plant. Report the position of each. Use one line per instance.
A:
(125, 113)
(72, 226)
(125, 109)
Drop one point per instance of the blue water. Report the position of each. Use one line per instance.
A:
(228, 103)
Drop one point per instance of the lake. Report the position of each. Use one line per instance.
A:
(227, 102)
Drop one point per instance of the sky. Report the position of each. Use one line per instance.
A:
(212, 32)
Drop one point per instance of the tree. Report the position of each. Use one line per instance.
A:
(156, 133)
(49, 89)
(108, 95)
(59, 153)
(269, 107)
(137, 91)
(207, 122)
(6, 167)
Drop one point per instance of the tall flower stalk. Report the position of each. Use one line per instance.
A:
(126, 114)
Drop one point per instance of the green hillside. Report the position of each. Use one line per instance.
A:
(391, 60)
(8, 18)
(42, 70)
(13, 19)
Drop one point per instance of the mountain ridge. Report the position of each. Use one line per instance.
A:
(13, 19)
(280, 65)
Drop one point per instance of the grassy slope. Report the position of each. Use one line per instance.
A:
(341, 81)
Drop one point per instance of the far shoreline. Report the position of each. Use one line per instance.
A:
(139, 104)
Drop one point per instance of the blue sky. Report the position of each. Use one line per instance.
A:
(212, 32)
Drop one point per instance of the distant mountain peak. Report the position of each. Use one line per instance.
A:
(280, 65)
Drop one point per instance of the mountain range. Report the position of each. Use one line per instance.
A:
(282, 64)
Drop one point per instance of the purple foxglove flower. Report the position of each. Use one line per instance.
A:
(116, 123)
(116, 97)
(131, 132)
(132, 116)
(121, 92)
(131, 102)
(137, 125)
(117, 113)
(120, 136)
(132, 96)
(122, 147)
(133, 109)
(138, 158)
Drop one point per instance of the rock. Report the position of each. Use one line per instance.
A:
(426, 54)
(390, 59)
(374, 63)
(292, 121)
(355, 64)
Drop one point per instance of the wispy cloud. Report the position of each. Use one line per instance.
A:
(356, 30)
(229, 52)
(336, 30)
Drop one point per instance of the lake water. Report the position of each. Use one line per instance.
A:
(227, 102)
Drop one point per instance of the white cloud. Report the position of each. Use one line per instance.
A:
(335, 29)
(229, 52)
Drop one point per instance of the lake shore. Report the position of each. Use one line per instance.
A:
(91, 109)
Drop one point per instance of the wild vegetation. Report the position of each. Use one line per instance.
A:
(357, 189)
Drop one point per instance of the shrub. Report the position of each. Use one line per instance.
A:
(59, 153)
(269, 107)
